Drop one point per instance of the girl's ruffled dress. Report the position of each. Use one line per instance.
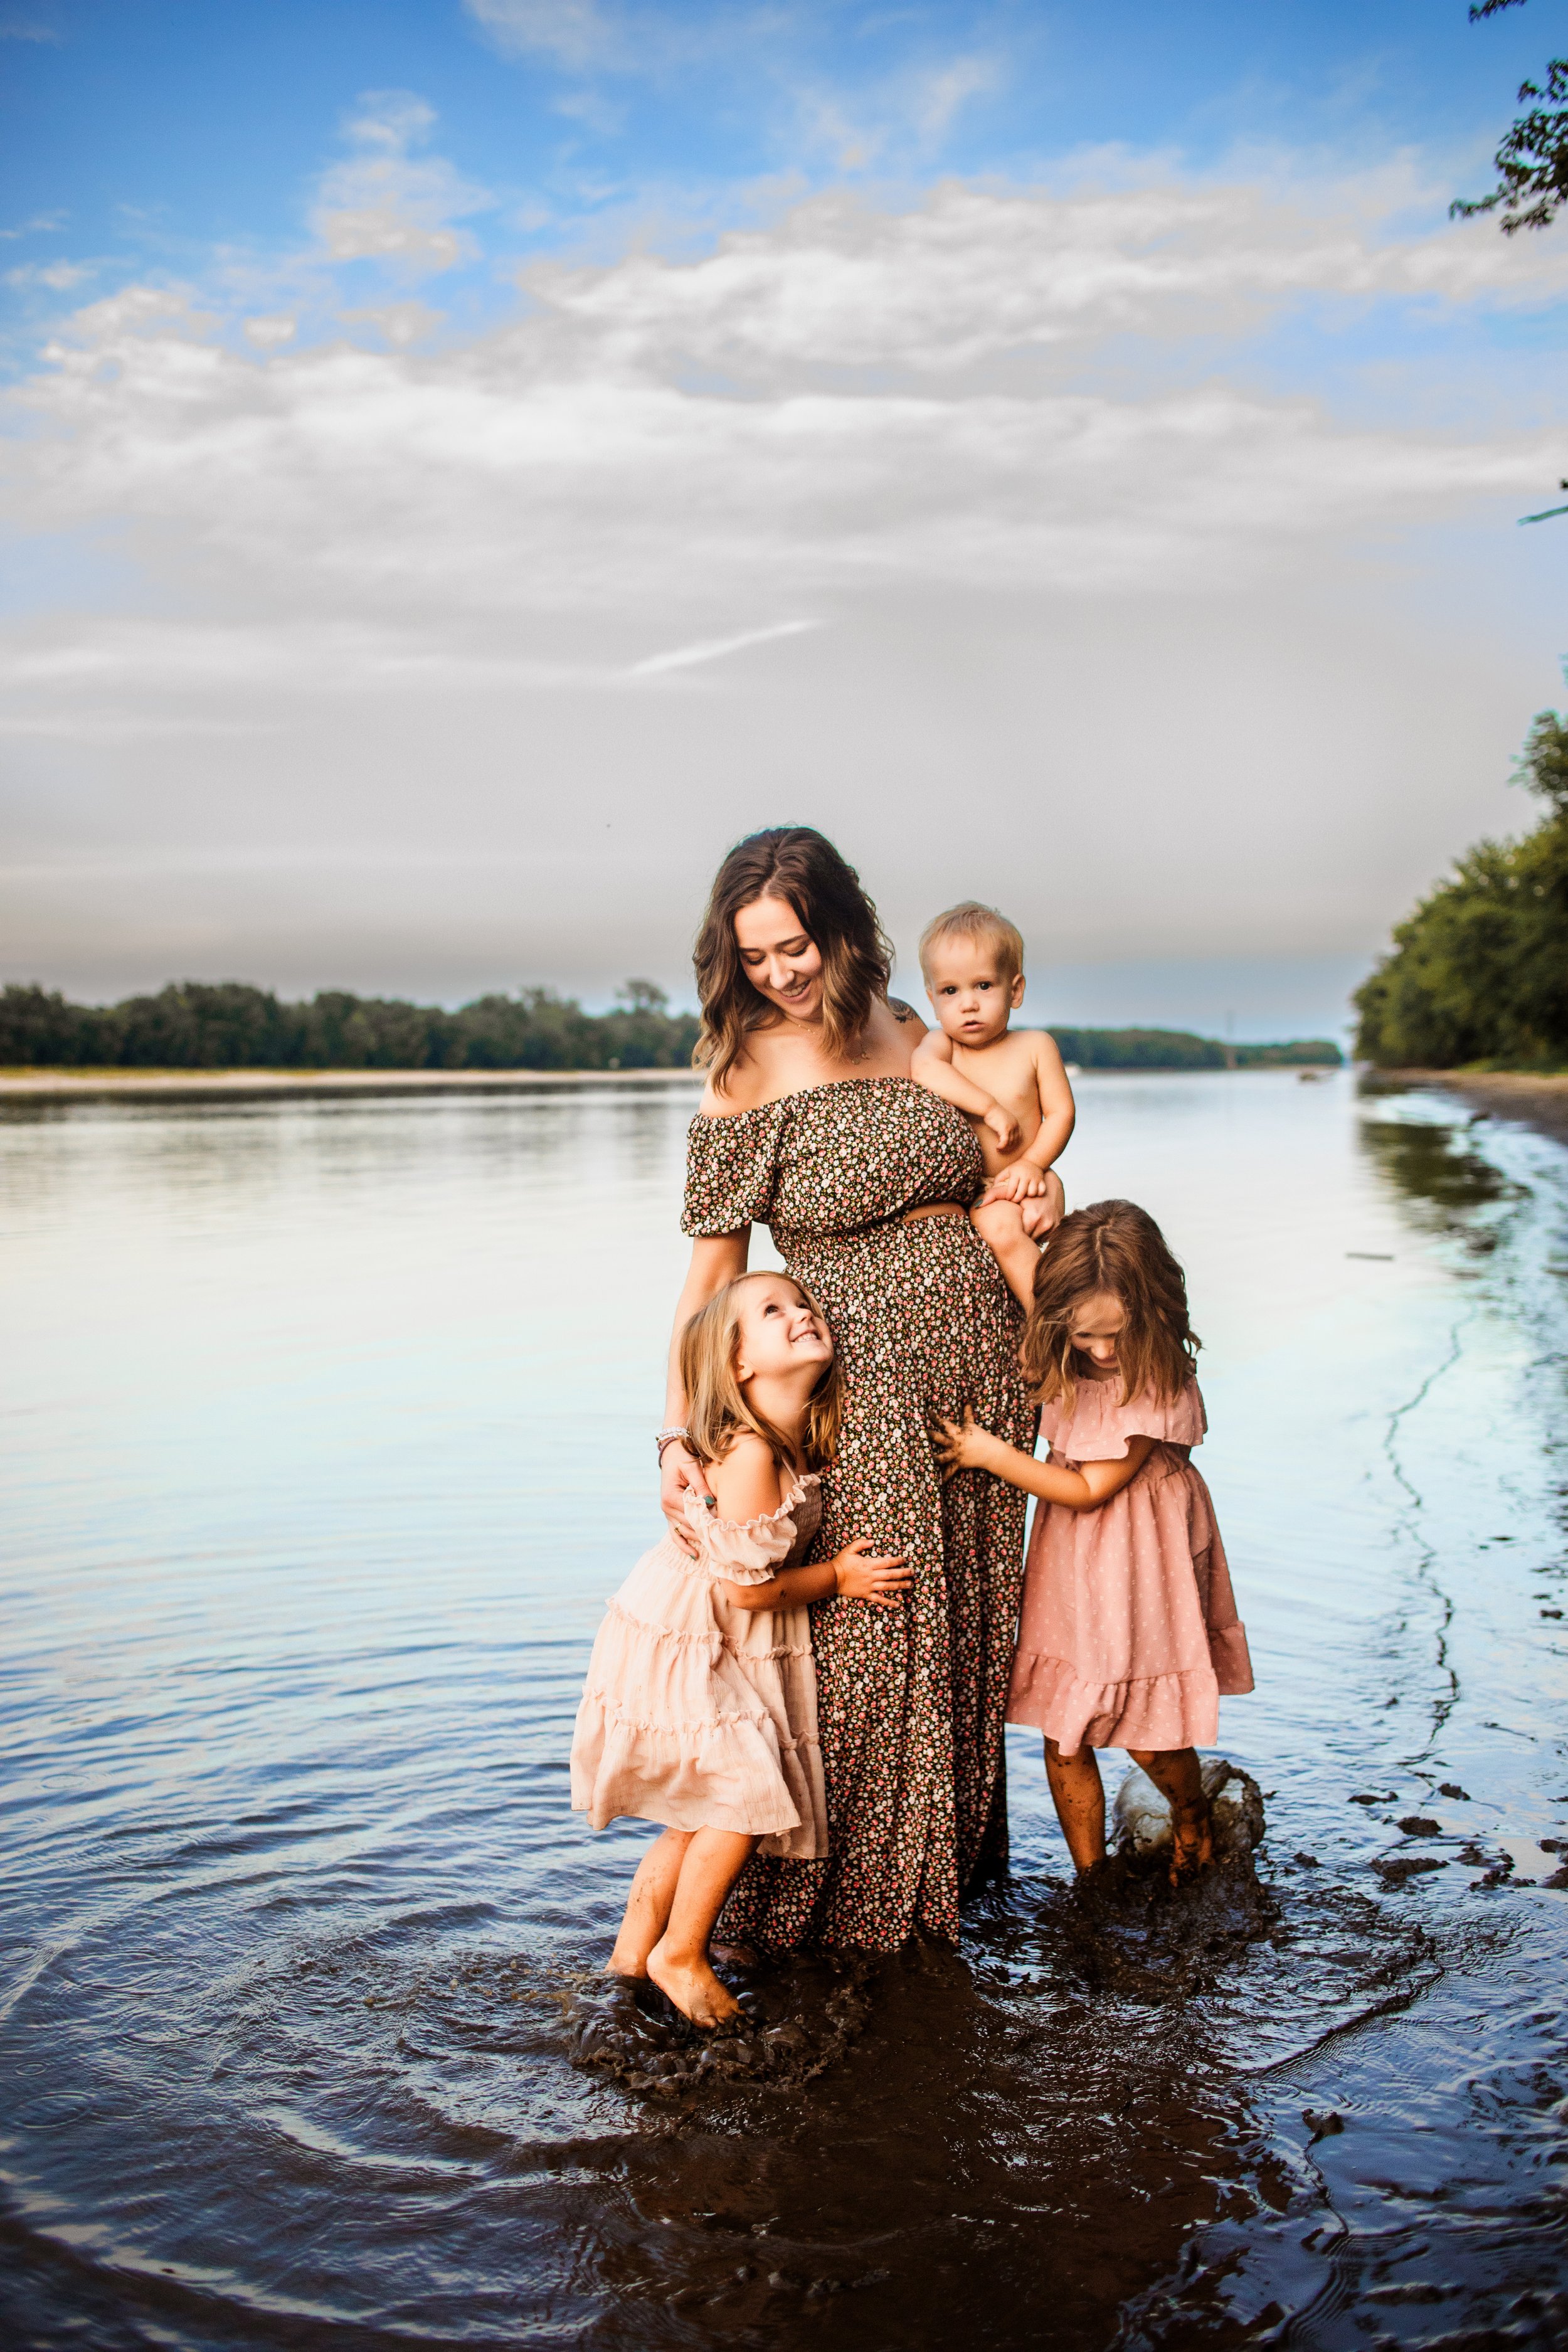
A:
(701, 1715)
(1129, 1634)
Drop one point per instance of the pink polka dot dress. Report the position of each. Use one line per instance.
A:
(1129, 1634)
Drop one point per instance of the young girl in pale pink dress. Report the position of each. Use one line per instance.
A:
(699, 1710)
(1128, 1632)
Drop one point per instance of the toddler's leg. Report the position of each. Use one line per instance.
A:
(678, 1963)
(1000, 1225)
(1079, 1801)
(648, 1904)
(1174, 1772)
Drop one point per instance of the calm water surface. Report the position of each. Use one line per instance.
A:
(325, 1435)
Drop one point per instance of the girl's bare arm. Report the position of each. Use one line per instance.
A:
(969, 1448)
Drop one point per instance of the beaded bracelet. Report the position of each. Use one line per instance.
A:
(667, 1437)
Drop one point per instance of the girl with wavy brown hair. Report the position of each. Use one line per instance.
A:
(812, 1126)
(1129, 1633)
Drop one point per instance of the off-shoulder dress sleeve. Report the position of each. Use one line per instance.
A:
(730, 1170)
(744, 1551)
(1100, 1424)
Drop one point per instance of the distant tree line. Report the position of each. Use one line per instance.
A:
(1478, 974)
(1180, 1049)
(197, 1025)
(200, 1025)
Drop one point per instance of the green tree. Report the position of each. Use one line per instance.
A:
(1479, 972)
(1532, 163)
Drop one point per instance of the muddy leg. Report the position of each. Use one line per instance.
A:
(678, 1963)
(1079, 1801)
(1174, 1772)
(648, 1903)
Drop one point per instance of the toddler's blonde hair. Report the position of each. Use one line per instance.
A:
(716, 1407)
(970, 920)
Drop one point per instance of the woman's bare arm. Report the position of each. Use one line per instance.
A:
(969, 1448)
(715, 1261)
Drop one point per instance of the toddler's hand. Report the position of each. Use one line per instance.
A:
(1004, 1128)
(959, 1448)
(1022, 1182)
(1043, 1214)
(856, 1578)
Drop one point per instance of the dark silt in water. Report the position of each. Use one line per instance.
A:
(325, 1437)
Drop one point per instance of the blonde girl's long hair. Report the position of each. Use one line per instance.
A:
(716, 1407)
(1114, 1246)
(795, 863)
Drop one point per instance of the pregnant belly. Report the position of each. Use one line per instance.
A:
(922, 1300)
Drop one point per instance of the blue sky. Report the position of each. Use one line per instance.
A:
(466, 463)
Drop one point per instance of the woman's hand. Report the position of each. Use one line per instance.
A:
(960, 1447)
(1004, 1127)
(856, 1578)
(680, 1473)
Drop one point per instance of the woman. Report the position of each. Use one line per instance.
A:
(812, 1125)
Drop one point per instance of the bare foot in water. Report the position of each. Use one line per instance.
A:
(694, 1988)
(616, 1967)
(1192, 1843)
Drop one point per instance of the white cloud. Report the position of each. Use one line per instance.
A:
(385, 202)
(59, 276)
(268, 330)
(970, 275)
(408, 587)
(575, 34)
(402, 323)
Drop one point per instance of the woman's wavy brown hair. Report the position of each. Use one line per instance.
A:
(716, 1407)
(1114, 1246)
(795, 863)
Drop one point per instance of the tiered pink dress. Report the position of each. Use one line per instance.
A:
(1130, 1632)
(699, 1714)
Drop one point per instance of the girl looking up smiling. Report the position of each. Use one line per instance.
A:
(701, 1706)
(1130, 1632)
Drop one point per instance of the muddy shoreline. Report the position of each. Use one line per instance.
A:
(1529, 1098)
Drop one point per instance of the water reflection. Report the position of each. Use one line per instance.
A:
(325, 1434)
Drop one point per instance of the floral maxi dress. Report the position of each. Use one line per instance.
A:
(910, 1700)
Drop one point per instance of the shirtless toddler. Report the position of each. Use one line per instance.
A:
(1009, 1083)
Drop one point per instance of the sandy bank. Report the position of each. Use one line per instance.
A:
(1528, 1097)
(59, 1085)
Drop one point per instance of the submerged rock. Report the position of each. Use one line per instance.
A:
(1140, 1818)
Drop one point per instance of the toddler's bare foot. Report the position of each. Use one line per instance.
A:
(1192, 1843)
(633, 1971)
(694, 1988)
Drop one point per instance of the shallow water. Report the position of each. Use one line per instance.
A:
(325, 1434)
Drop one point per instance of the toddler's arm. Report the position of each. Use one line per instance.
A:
(969, 1448)
(932, 1066)
(1058, 1116)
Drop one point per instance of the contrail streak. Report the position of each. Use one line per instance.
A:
(715, 648)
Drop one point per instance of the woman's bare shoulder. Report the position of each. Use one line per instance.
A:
(756, 1078)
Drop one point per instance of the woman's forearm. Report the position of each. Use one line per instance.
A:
(714, 1263)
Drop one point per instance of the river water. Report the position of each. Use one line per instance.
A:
(325, 1434)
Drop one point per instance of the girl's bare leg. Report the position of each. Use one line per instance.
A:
(648, 1904)
(678, 1963)
(1174, 1772)
(1079, 1801)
